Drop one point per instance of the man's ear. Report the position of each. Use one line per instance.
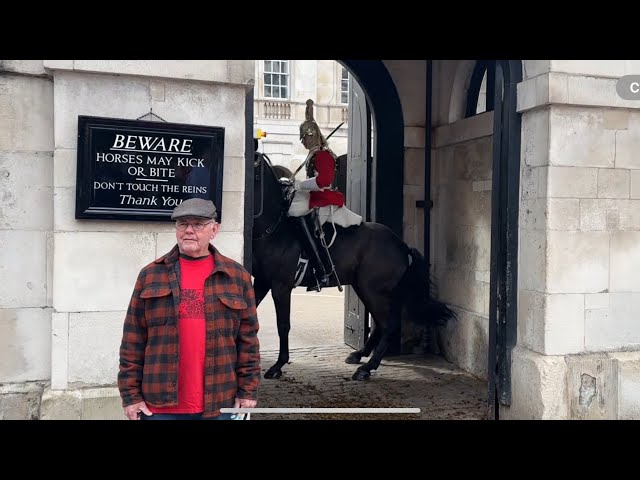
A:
(214, 230)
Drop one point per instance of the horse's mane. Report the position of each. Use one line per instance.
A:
(281, 171)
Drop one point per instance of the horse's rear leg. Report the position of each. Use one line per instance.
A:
(387, 321)
(282, 300)
(364, 372)
(369, 345)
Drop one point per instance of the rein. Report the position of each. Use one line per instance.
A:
(272, 228)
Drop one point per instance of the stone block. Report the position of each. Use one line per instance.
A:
(57, 64)
(92, 94)
(594, 213)
(572, 182)
(207, 70)
(23, 268)
(26, 113)
(232, 204)
(578, 138)
(463, 130)
(533, 214)
(94, 342)
(595, 301)
(414, 137)
(616, 119)
(206, 104)
(535, 137)
(102, 404)
(564, 324)
(86, 279)
(563, 214)
(538, 387)
(28, 67)
(591, 387)
(595, 68)
(65, 162)
(27, 196)
(533, 68)
(628, 369)
(625, 262)
(531, 310)
(25, 344)
(532, 252)
(61, 405)
(233, 180)
(613, 183)
(635, 183)
(614, 328)
(20, 401)
(628, 144)
(414, 163)
(577, 262)
(59, 350)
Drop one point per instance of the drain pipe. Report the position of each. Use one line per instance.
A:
(427, 203)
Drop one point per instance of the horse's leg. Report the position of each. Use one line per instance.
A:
(369, 345)
(261, 288)
(282, 300)
(388, 323)
(372, 341)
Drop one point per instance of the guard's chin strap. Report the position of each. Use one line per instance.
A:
(309, 155)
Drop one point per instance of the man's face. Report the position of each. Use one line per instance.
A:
(309, 141)
(194, 239)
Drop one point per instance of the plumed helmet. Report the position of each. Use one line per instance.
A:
(309, 126)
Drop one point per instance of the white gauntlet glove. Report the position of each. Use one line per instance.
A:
(308, 184)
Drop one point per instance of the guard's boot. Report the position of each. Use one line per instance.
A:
(323, 281)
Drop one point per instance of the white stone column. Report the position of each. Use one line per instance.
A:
(96, 262)
(26, 220)
(579, 291)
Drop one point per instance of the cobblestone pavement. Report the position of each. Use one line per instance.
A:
(318, 377)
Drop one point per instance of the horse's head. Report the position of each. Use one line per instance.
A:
(271, 198)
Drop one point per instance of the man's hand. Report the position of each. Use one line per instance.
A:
(244, 403)
(132, 411)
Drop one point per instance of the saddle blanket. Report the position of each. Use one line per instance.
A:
(341, 215)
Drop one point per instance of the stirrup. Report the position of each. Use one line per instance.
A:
(322, 282)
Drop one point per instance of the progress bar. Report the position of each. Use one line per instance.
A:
(319, 410)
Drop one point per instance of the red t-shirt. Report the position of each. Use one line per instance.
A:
(192, 335)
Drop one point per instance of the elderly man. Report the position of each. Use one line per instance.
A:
(189, 345)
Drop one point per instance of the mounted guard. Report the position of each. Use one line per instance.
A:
(316, 199)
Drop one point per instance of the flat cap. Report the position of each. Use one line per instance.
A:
(195, 207)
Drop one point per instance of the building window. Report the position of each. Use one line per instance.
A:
(276, 79)
(344, 86)
(480, 96)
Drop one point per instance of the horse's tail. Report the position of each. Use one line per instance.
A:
(419, 294)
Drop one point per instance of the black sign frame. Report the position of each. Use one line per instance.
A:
(185, 140)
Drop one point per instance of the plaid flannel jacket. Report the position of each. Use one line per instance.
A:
(149, 350)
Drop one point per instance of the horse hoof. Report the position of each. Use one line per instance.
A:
(361, 375)
(273, 373)
(352, 359)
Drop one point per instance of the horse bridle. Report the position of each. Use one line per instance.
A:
(272, 228)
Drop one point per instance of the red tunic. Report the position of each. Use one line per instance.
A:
(325, 166)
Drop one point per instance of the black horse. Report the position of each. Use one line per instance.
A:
(390, 278)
